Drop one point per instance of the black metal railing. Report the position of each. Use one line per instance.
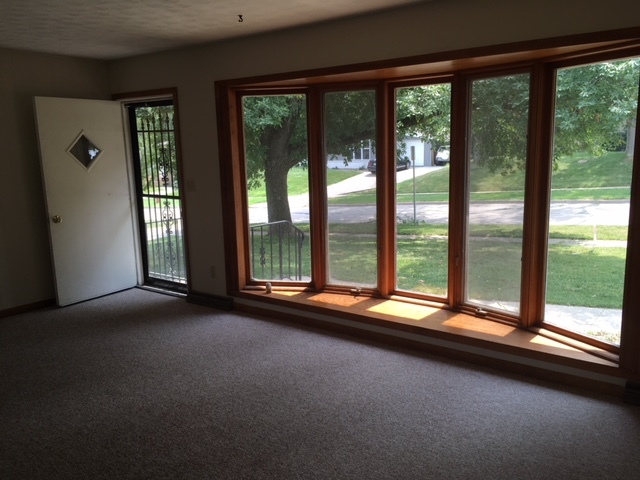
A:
(154, 139)
(165, 240)
(276, 251)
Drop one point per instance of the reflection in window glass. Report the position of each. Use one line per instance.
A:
(423, 116)
(499, 124)
(595, 123)
(350, 124)
(275, 138)
(84, 151)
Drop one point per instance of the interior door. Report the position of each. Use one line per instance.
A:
(87, 190)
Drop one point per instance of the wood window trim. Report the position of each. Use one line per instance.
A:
(543, 56)
(444, 63)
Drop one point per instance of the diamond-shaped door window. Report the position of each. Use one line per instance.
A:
(85, 151)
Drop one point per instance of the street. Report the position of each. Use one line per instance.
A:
(497, 213)
(505, 213)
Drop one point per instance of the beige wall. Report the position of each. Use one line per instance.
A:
(25, 263)
(440, 25)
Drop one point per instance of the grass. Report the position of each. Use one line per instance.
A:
(588, 277)
(612, 169)
(567, 232)
(298, 183)
(578, 177)
(494, 269)
(577, 275)
(165, 258)
(152, 202)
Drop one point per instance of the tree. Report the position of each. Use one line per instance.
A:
(275, 136)
(156, 143)
(595, 111)
(275, 132)
(596, 107)
(499, 122)
(424, 112)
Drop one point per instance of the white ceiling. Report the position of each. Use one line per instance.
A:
(110, 29)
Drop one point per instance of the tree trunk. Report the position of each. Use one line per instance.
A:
(277, 191)
(631, 137)
(278, 162)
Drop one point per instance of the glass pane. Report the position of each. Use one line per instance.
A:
(595, 123)
(85, 151)
(422, 186)
(275, 136)
(352, 258)
(499, 125)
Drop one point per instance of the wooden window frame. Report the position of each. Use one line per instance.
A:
(541, 58)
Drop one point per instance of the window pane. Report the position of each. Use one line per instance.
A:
(595, 123)
(499, 125)
(422, 204)
(350, 120)
(275, 134)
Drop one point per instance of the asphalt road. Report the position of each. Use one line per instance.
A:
(498, 213)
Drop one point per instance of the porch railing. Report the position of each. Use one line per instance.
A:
(276, 251)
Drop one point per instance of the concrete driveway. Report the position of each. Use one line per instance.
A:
(367, 180)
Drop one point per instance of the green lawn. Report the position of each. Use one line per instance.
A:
(579, 177)
(165, 258)
(568, 232)
(577, 275)
(298, 183)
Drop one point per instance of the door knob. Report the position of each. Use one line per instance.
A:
(56, 219)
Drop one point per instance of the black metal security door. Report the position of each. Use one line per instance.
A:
(155, 153)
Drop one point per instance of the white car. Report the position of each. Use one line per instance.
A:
(442, 155)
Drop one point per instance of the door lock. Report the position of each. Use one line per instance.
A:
(56, 219)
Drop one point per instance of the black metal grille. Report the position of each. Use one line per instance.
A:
(159, 196)
(276, 251)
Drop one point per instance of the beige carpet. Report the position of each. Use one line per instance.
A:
(140, 385)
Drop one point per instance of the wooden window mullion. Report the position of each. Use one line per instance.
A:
(385, 187)
(318, 189)
(460, 99)
(537, 195)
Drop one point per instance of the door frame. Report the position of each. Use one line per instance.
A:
(125, 99)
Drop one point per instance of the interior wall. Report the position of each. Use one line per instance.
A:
(25, 261)
(426, 28)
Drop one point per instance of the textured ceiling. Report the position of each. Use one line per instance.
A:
(109, 29)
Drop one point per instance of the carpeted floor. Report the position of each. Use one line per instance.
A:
(140, 385)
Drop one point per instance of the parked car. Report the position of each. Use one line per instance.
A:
(401, 164)
(442, 155)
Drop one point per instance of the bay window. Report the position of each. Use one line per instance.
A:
(515, 204)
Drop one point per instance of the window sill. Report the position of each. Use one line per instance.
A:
(442, 331)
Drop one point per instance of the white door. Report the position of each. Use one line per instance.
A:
(84, 168)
